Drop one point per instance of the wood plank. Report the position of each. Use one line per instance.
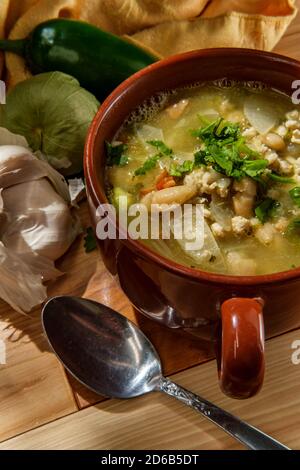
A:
(32, 393)
(31, 377)
(159, 422)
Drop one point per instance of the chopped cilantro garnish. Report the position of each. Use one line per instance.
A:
(116, 154)
(295, 195)
(294, 225)
(161, 147)
(180, 170)
(266, 209)
(280, 179)
(254, 168)
(218, 130)
(226, 151)
(90, 242)
(150, 163)
(199, 158)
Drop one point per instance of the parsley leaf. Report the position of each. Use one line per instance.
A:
(254, 168)
(266, 209)
(295, 195)
(226, 151)
(148, 164)
(180, 170)
(218, 130)
(227, 131)
(294, 225)
(161, 147)
(116, 154)
(207, 131)
(245, 150)
(90, 242)
(280, 179)
(222, 159)
(199, 158)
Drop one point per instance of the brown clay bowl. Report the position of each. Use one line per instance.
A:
(229, 310)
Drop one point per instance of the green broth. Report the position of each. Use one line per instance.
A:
(263, 247)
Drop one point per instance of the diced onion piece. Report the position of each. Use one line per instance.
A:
(181, 123)
(221, 212)
(210, 114)
(209, 256)
(146, 133)
(261, 112)
(212, 246)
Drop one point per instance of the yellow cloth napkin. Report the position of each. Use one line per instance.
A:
(165, 26)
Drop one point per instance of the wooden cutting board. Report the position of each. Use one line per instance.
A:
(34, 389)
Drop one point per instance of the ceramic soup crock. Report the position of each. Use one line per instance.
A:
(232, 311)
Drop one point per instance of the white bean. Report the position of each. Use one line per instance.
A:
(274, 141)
(243, 200)
(175, 110)
(243, 205)
(174, 195)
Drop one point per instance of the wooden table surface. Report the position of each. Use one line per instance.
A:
(42, 408)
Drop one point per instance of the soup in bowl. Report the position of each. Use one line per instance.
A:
(215, 129)
(234, 148)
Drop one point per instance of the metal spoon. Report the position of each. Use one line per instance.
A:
(111, 356)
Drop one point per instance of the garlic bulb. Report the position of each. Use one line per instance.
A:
(37, 223)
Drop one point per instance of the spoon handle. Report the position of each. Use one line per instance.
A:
(243, 432)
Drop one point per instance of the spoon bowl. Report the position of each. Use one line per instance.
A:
(100, 348)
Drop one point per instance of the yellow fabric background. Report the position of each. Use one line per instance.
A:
(165, 26)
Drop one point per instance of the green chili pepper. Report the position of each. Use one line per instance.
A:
(99, 60)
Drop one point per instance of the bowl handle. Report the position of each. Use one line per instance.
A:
(241, 360)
